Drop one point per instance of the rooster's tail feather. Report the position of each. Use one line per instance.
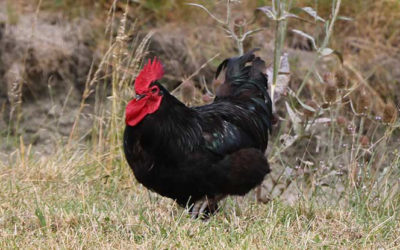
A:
(245, 79)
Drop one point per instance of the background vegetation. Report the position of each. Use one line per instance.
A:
(66, 74)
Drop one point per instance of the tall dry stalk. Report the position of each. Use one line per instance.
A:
(237, 35)
(124, 64)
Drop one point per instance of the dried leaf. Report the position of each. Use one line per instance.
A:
(345, 18)
(314, 123)
(307, 163)
(287, 14)
(269, 11)
(303, 34)
(313, 13)
(329, 51)
(326, 51)
(323, 120)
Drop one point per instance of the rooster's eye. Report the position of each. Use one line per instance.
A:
(154, 90)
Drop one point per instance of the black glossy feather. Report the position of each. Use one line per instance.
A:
(217, 149)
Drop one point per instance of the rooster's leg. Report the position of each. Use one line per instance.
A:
(258, 193)
(197, 206)
(260, 198)
(206, 206)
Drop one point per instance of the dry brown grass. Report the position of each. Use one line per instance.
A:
(69, 201)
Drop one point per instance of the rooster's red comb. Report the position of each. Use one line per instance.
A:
(151, 72)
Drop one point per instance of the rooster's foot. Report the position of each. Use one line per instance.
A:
(205, 207)
(259, 197)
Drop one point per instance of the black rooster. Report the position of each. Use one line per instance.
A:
(199, 155)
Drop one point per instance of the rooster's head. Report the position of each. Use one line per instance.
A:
(148, 96)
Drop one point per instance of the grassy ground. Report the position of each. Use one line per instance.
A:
(68, 201)
(344, 173)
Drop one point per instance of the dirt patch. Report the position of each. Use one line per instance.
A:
(44, 62)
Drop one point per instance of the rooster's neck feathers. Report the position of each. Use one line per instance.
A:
(174, 120)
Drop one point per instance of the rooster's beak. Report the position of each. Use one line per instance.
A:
(138, 97)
